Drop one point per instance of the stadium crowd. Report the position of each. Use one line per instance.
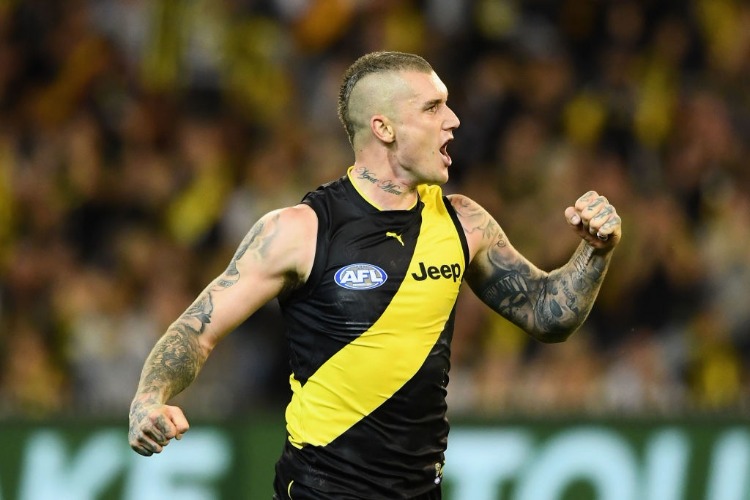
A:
(140, 139)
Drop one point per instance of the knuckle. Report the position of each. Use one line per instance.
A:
(584, 199)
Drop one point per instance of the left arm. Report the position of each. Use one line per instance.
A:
(549, 306)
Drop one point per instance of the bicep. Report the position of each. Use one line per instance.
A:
(498, 274)
(274, 255)
(506, 281)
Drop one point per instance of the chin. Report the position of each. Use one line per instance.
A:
(437, 180)
(445, 175)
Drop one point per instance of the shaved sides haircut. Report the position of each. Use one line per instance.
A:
(373, 63)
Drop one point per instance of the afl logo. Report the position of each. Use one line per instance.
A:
(360, 277)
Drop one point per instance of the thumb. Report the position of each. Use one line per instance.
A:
(178, 420)
(571, 215)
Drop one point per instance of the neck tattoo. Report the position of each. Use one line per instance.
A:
(386, 185)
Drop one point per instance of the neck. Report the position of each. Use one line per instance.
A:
(385, 191)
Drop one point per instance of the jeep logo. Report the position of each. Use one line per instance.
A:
(433, 272)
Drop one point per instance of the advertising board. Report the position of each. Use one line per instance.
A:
(575, 460)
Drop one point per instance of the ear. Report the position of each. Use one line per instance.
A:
(382, 128)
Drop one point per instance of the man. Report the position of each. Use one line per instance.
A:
(367, 270)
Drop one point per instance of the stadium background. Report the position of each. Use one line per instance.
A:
(140, 139)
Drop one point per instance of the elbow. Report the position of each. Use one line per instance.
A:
(554, 336)
(206, 344)
(189, 342)
(557, 328)
(555, 323)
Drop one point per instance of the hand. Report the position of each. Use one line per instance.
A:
(153, 425)
(595, 220)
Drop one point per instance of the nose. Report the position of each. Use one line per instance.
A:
(451, 121)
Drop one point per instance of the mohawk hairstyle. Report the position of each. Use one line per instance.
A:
(374, 62)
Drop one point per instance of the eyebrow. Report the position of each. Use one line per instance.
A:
(433, 102)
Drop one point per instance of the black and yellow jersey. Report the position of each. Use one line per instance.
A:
(369, 336)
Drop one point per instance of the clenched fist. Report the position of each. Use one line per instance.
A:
(153, 425)
(595, 220)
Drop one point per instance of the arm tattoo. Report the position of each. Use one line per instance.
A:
(550, 306)
(256, 242)
(178, 356)
(510, 290)
(571, 291)
(475, 219)
(175, 360)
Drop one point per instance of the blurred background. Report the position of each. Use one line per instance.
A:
(140, 140)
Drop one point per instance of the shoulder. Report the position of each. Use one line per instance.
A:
(301, 214)
(479, 226)
(284, 240)
(298, 224)
(288, 221)
(467, 209)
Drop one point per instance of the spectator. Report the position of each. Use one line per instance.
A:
(114, 121)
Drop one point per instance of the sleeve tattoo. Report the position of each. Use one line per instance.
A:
(178, 356)
(548, 305)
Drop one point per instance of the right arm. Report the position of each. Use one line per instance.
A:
(550, 306)
(275, 255)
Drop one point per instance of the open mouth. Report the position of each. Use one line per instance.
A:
(444, 153)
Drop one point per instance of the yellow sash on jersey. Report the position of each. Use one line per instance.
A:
(369, 370)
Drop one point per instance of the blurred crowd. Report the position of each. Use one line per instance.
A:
(140, 139)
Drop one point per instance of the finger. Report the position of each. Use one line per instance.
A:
(596, 228)
(156, 437)
(155, 434)
(150, 447)
(178, 420)
(145, 446)
(584, 202)
(604, 214)
(596, 213)
(611, 226)
(163, 429)
(594, 207)
(586, 198)
(571, 215)
(142, 450)
(157, 429)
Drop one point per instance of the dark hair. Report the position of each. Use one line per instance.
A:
(374, 62)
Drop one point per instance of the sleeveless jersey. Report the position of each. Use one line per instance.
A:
(369, 337)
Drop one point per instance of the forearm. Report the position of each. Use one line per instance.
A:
(179, 354)
(173, 364)
(568, 293)
(548, 306)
